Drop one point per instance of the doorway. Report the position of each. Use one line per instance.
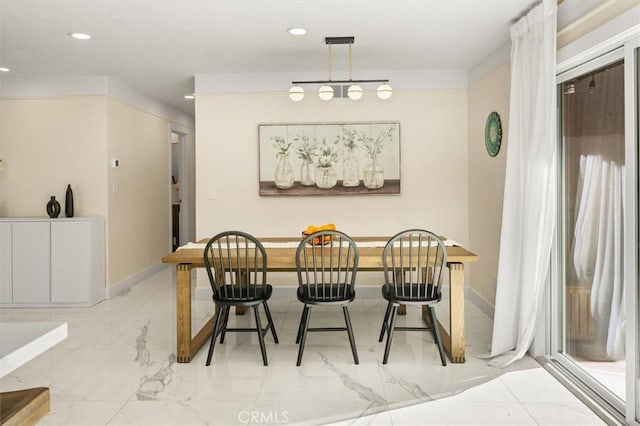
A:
(179, 190)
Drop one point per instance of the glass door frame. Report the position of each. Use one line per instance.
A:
(632, 258)
(628, 51)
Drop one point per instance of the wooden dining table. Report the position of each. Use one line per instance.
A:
(281, 258)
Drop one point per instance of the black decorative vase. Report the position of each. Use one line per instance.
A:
(53, 207)
(68, 202)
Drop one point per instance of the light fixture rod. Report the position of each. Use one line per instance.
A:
(329, 62)
(339, 81)
(350, 74)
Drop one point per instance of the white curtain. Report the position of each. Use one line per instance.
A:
(529, 210)
(599, 242)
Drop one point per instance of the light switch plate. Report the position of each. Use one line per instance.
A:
(211, 193)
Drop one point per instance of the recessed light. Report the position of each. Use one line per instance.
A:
(4, 69)
(80, 36)
(296, 31)
(189, 97)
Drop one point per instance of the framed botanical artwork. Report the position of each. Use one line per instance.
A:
(329, 159)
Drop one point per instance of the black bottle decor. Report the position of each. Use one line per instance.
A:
(68, 202)
(53, 207)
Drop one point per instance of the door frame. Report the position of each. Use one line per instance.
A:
(632, 258)
(186, 204)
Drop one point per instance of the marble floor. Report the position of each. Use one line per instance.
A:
(118, 367)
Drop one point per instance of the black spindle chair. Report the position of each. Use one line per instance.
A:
(236, 264)
(326, 263)
(413, 263)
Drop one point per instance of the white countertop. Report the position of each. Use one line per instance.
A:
(22, 341)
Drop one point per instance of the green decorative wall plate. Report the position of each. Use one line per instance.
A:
(493, 134)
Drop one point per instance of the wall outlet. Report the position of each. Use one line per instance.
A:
(115, 163)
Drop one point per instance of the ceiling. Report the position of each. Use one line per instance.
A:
(158, 46)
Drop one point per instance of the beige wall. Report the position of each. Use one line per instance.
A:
(433, 133)
(139, 212)
(47, 144)
(486, 179)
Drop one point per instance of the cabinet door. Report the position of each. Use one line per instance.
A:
(70, 261)
(6, 293)
(31, 262)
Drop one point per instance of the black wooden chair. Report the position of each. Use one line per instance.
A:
(413, 262)
(326, 263)
(236, 264)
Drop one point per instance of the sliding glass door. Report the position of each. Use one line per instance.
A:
(595, 293)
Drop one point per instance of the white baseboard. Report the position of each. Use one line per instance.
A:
(201, 293)
(480, 302)
(124, 285)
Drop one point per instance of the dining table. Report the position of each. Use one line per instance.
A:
(281, 258)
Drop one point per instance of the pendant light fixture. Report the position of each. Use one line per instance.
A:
(326, 91)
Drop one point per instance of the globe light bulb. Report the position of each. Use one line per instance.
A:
(296, 93)
(354, 92)
(325, 93)
(384, 91)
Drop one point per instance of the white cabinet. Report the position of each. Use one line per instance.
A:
(77, 261)
(52, 262)
(31, 262)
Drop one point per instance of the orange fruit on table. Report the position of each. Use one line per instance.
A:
(319, 240)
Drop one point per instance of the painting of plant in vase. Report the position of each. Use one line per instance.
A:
(329, 159)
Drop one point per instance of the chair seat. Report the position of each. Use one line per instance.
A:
(336, 294)
(233, 296)
(411, 294)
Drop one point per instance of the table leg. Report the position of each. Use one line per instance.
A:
(453, 343)
(183, 311)
(24, 407)
(187, 347)
(456, 309)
